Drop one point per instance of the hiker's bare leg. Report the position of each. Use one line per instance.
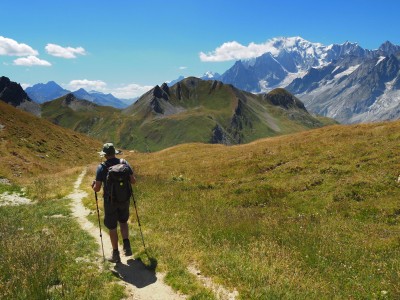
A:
(114, 238)
(124, 230)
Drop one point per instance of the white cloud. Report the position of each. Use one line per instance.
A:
(183, 68)
(88, 85)
(127, 91)
(31, 61)
(235, 51)
(64, 52)
(11, 47)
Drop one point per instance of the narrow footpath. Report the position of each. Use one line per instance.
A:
(140, 283)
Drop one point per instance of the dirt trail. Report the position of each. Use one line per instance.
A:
(140, 283)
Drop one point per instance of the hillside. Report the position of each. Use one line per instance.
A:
(31, 146)
(40, 256)
(313, 215)
(192, 110)
(100, 122)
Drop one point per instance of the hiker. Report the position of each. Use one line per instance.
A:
(114, 212)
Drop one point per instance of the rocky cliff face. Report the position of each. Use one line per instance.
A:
(353, 91)
(13, 94)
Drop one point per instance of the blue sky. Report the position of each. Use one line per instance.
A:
(126, 47)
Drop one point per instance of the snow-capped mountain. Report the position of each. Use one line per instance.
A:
(210, 76)
(342, 81)
(353, 90)
(285, 60)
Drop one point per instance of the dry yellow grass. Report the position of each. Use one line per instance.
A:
(309, 215)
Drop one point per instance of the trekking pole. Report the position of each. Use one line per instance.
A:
(98, 217)
(137, 216)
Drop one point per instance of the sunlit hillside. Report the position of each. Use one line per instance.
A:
(30, 146)
(314, 215)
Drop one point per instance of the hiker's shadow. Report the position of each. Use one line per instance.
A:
(136, 273)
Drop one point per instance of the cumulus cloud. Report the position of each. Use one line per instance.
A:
(64, 52)
(11, 47)
(235, 51)
(127, 91)
(31, 61)
(88, 85)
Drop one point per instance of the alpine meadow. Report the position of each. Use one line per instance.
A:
(303, 216)
(199, 150)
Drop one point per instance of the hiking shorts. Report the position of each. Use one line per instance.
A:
(114, 213)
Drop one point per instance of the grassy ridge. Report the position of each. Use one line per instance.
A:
(187, 112)
(311, 215)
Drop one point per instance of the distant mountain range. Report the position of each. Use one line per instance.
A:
(43, 92)
(341, 81)
(345, 81)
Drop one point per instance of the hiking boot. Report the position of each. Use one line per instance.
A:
(127, 248)
(115, 258)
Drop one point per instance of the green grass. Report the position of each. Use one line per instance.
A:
(313, 215)
(44, 254)
(307, 216)
(31, 148)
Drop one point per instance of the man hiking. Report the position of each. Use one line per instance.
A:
(116, 197)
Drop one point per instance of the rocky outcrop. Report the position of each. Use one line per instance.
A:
(71, 101)
(284, 99)
(11, 92)
(165, 88)
(219, 136)
(69, 98)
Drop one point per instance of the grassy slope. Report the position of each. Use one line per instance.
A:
(44, 254)
(30, 145)
(89, 121)
(310, 215)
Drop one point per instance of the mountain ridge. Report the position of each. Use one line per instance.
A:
(192, 110)
(44, 92)
(301, 67)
